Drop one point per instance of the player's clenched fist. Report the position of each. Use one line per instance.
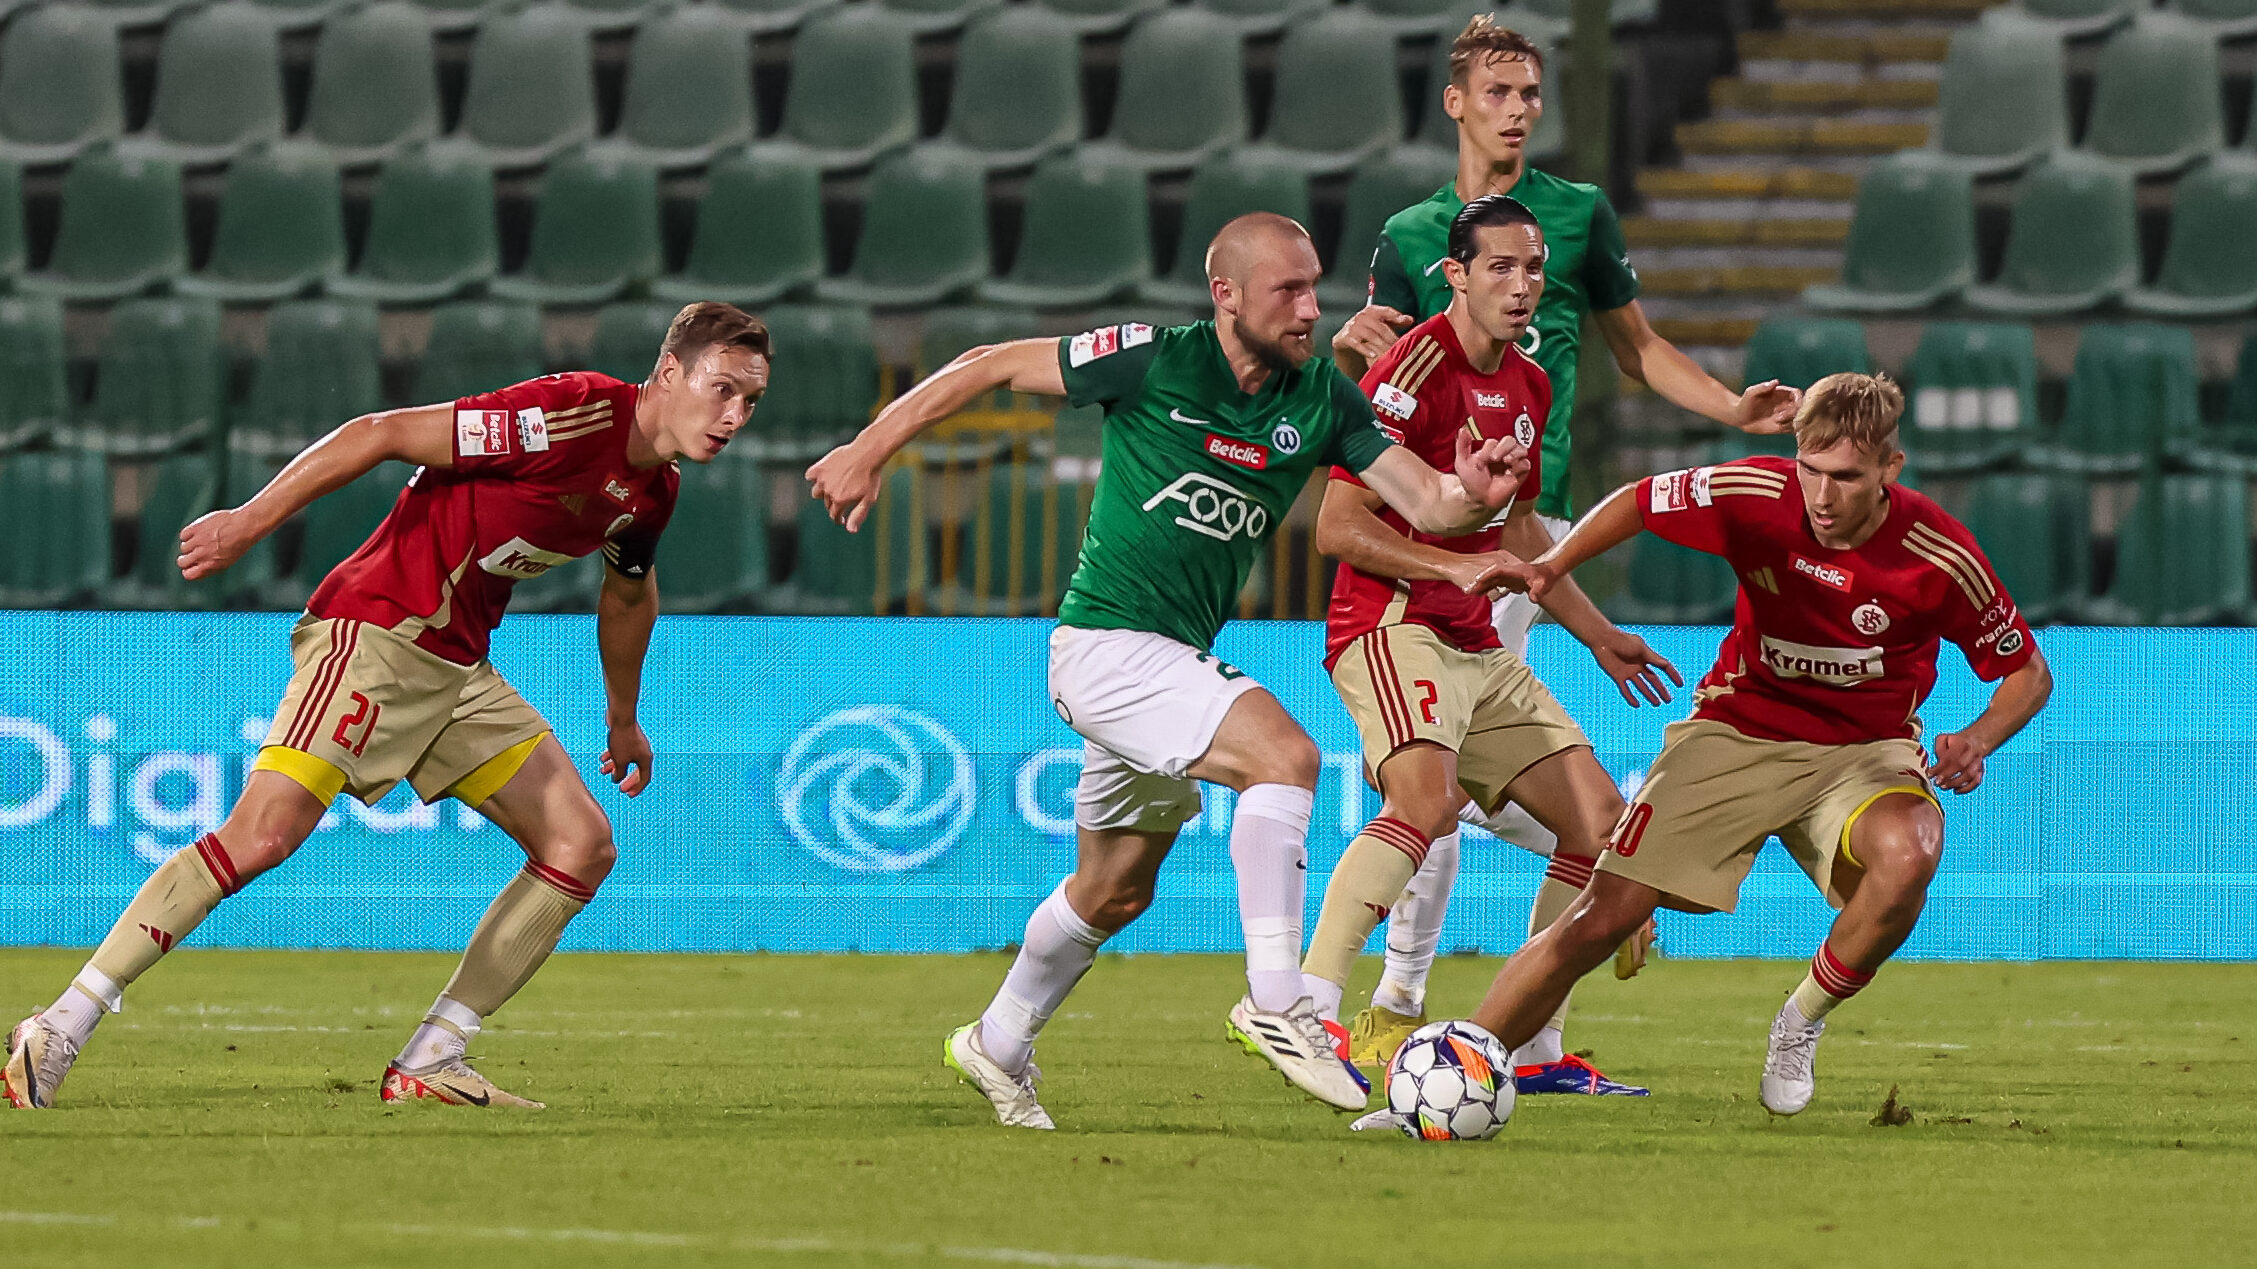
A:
(626, 758)
(1492, 471)
(1959, 763)
(846, 483)
(1369, 334)
(213, 542)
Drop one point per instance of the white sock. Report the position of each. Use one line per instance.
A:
(76, 1012)
(1548, 1046)
(1269, 849)
(445, 1034)
(1059, 948)
(1414, 930)
(1324, 994)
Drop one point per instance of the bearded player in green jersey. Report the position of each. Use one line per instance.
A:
(1211, 431)
(1495, 94)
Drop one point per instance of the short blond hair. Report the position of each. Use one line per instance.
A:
(1861, 409)
(1483, 41)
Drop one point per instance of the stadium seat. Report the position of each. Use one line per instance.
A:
(1439, 131)
(174, 491)
(935, 17)
(431, 232)
(853, 89)
(281, 227)
(61, 85)
(1972, 390)
(1667, 584)
(2157, 580)
(477, 346)
(1911, 239)
(292, 16)
(1412, 18)
(713, 556)
(607, 16)
(1262, 17)
(11, 223)
(1226, 186)
(823, 385)
(950, 332)
(1009, 511)
(34, 394)
(1620, 13)
(1087, 235)
(2004, 99)
(2073, 241)
(1381, 187)
(1101, 17)
(59, 505)
(2224, 19)
(322, 369)
(1799, 351)
(1182, 91)
(924, 232)
(452, 17)
(219, 87)
(758, 235)
(770, 17)
(2210, 267)
(2156, 105)
(532, 91)
(836, 573)
(2036, 531)
(2075, 19)
(122, 231)
(1017, 92)
(137, 13)
(337, 523)
(375, 84)
(160, 380)
(689, 89)
(595, 233)
(627, 338)
(1337, 100)
(2133, 399)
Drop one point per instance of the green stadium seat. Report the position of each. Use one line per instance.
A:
(1414, 18)
(2224, 19)
(59, 505)
(1337, 100)
(1439, 131)
(291, 16)
(595, 233)
(2036, 531)
(2241, 405)
(611, 16)
(337, 523)
(160, 381)
(1799, 351)
(853, 89)
(713, 556)
(2076, 19)
(281, 227)
(61, 85)
(758, 235)
(1017, 93)
(1972, 396)
(951, 332)
(1262, 17)
(770, 17)
(1911, 239)
(689, 89)
(628, 335)
(1101, 17)
(837, 574)
(924, 232)
(2003, 102)
(823, 385)
(2072, 244)
(1087, 235)
(137, 13)
(2157, 102)
(2157, 579)
(35, 396)
(477, 346)
(2210, 267)
(431, 232)
(935, 17)
(452, 17)
(375, 85)
(11, 223)
(1226, 186)
(1668, 585)
(1381, 187)
(2133, 399)
(1182, 94)
(322, 369)
(219, 87)
(1620, 13)
(532, 92)
(173, 491)
(123, 228)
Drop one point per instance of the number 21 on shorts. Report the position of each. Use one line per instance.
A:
(363, 716)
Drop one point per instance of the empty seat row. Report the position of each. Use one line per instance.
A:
(2076, 19)
(2072, 242)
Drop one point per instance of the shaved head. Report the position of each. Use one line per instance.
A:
(1262, 270)
(1251, 238)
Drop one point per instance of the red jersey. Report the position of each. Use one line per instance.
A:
(1833, 647)
(1422, 391)
(540, 478)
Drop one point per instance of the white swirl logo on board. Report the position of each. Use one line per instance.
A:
(876, 788)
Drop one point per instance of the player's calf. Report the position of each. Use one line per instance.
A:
(1535, 979)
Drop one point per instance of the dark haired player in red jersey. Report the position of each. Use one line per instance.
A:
(392, 680)
(1809, 725)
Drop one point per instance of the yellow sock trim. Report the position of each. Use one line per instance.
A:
(1867, 805)
(473, 789)
(318, 775)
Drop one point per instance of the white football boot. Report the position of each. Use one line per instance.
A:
(1789, 1069)
(1011, 1095)
(39, 1057)
(1296, 1043)
(1382, 1120)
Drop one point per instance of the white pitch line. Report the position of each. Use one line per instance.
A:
(54, 1218)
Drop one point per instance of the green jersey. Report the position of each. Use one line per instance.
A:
(1196, 474)
(1587, 268)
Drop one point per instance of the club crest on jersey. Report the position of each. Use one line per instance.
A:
(1869, 619)
(1524, 430)
(616, 489)
(1840, 579)
(1841, 667)
(1394, 402)
(481, 433)
(1105, 341)
(1247, 454)
(1285, 438)
(1212, 507)
(532, 430)
(518, 560)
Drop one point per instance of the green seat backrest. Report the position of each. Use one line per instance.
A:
(338, 523)
(2133, 391)
(924, 220)
(714, 553)
(597, 220)
(949, 332)
(1675, 584)
(1086, 222)
(2004, 92)
(322, 369)
(760, 222)
(2158, 91)
(1227, 186)
(60, 78)
(2218, 10)
(59, 505)
(34, 394)
(1103, 14)
(1018, 82)
(11, 221)
(431, 219)
(532, 81)
(2075, 227)
(2036, 532)
(2213, 248)
(689, 81)
(853, 81)
(839, 573)
(478, 346)
(122, 219)
(1259, 8)
(1183, 83)
(1336, 85)
(1799, 351)
(823, 384)
(160, 381)
(176, 491)
(1971, 383)
(627, 338)
(2241, 404)
(281, 217)
(219, 78)
(1913, 229)
(1381, 187)
(375, 80)
(2158, 579)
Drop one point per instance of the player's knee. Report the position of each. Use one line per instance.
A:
(1602, 918)
(258, 848)
(1293, 761)
(1901, 846)
(1117, 902)
(586, 852)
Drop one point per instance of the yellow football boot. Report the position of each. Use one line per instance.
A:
(1376, 1033)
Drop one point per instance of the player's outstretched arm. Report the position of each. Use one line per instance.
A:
(423, 435)
(1349, 530)
(1488, 476)
(1610, 524)
(1636, 669)
(626, 609)
(2020, 695)
(847, 478)
(1645, 356)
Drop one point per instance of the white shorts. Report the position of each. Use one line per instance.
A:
(1512, 615)
(1148, 707)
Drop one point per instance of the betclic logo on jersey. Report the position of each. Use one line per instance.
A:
(1251, 455)
(1212, 507)
(483, 433)
(1677, 490)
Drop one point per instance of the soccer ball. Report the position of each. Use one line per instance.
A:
(1451, 1081)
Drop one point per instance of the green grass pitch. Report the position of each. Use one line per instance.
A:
(793, 1111)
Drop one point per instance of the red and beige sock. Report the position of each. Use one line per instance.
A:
(1365, 886)
(517, 934)
(1829, 983)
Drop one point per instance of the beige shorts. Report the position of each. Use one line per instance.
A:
(1404, 684)
(1714, 796)
(374, 709)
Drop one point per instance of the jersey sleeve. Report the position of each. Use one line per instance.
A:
(1357, 441)
(1390, 280)
(527, 424)
(1106, 365)
(1979, 615)
(1607, 276)
(1677, 507)
(633, 550)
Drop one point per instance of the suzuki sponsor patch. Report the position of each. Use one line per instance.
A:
(1839, 578)
(1248, 454)
(482, 433)
(1841, 667)
(532, 430)
(1394, 402)
(1105, 341)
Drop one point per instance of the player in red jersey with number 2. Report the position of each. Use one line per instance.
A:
(1808, 727)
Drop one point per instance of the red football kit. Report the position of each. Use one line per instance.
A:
(1422, 391)
(1833, 647)
(540, 478)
